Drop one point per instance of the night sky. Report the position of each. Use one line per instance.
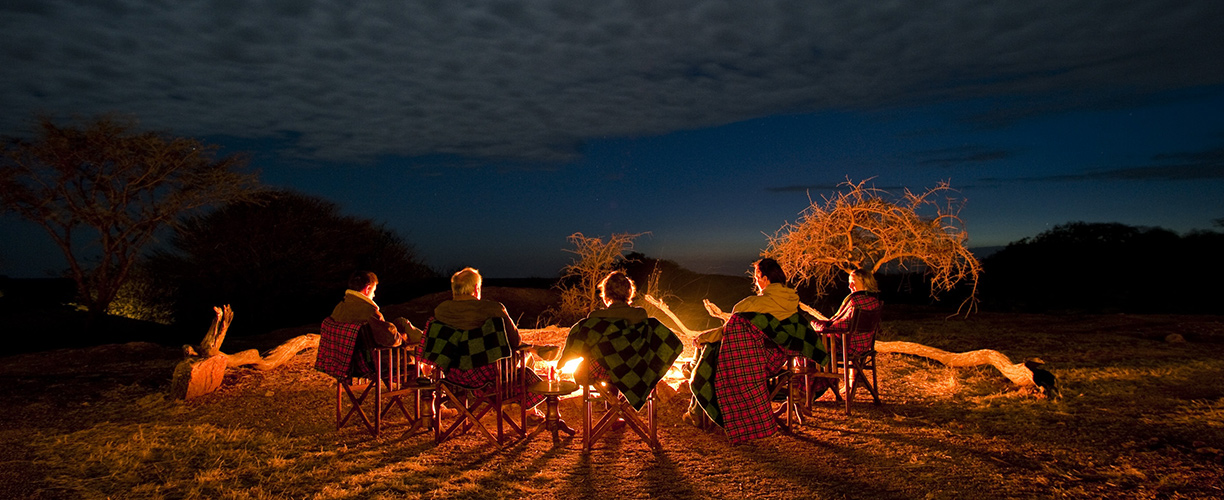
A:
(484, 133)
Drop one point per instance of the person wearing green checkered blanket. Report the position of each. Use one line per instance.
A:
(616, 291)
(772, 297)
(620, 347)
(467, 311)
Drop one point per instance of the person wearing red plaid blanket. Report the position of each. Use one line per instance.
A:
(863, 298)
(774, 298)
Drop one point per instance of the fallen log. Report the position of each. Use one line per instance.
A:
(1026, 374)
(203, 370)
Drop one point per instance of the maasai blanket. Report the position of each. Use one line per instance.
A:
(795, 334)
(858, 318)
(469, 357)
(701, 382)
(448, 347)
(729, 380)
(633, 356)
(337, 343)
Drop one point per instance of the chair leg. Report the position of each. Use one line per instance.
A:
(355, 409)
(586, 417)
(651, 421)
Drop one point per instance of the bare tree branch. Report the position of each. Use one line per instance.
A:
(868, 228)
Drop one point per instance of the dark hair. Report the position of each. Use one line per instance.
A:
(772, 270)
(617, 286)
(361, 279)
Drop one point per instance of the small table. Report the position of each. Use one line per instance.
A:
(552, 392)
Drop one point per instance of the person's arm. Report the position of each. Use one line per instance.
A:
(385, 333)
(411, 333)
(840, 322)
(512, 333)
(715, 311)
(710, 336)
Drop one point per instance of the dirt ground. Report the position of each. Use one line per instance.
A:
(1142, 416)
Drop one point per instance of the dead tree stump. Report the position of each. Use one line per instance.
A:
(204, 367)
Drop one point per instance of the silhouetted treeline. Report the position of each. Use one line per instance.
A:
(283, 260)
(1106, 267)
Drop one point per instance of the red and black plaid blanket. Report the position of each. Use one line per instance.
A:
(337, 343)
(747, 357)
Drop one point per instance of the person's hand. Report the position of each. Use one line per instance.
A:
(714, 310)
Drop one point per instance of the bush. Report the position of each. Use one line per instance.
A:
(282, 260)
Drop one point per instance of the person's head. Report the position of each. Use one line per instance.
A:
(863, 280)
(466, 282)
(364, 282)
(616, 287)
(766, 271)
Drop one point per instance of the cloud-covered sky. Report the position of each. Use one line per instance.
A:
(485, 132)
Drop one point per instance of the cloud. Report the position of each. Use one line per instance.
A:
(531, 81)
(1195, 165)
(951, 157)
(805, 188)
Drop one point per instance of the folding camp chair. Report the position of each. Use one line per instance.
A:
(484, 386)
(785, 398)
(622, 365)
(854, 355)
(617, 409)
(360, 370)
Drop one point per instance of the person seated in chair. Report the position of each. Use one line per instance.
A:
(772, 297)
(467, 311)
(616, 291)
(358, 307)
(863, 297)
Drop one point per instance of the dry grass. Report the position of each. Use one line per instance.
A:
(1140, 418)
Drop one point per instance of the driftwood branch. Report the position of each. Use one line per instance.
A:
(662, 307)
(1026, 374)
(275, 357)
(211, 345)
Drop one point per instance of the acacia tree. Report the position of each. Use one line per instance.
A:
(580, 279)
(868, 228)
(102, 190)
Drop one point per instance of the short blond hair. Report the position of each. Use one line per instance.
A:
(465, 282)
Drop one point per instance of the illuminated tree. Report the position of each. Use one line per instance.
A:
(579, 283)
(869, 228)
(102, 190)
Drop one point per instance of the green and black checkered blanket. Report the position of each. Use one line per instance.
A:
(793, 334)
(448, 347)
(636, 356)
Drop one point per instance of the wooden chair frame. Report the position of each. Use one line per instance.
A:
(397, 376)
(617, 407)
(473, 403)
